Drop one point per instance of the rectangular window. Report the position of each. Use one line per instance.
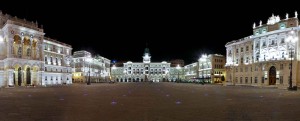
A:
(247, 48)
(281, 80)
(255, 80)
(242, 59)
(281, 66)
(262, 80)
(246, 80)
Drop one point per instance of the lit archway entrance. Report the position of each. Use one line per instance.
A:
(28, 76)
(272, 76)
(19, 76)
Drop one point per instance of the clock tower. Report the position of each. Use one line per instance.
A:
(146, 57)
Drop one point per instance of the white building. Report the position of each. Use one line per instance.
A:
(209, 68)
(191, 71)
(144, 71)
(264, 58)
(23, 49)
(85, 66)
(57, 62)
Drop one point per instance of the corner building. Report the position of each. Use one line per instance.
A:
(29, 58)
(266, 57)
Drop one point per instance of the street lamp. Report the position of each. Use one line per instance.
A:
(88, 60)
(291, 40)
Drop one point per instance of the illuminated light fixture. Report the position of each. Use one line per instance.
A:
(31, 36)
(1, 39)
(22, 33)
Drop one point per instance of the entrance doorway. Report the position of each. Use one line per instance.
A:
(28, 76)
(272, 76)
(19, 76)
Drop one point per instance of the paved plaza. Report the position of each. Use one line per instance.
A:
(148, 102)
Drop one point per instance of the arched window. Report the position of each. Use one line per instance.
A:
(28, 52)
(51, 60)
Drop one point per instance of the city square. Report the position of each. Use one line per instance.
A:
(158, 63)
(147, 102)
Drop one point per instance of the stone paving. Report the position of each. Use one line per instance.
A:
(148, 102)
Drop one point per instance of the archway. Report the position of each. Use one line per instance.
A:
(17, 50)
(28, 76)
(272, 76)
(19, 76)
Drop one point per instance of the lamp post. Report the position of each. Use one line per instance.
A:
(291, 39)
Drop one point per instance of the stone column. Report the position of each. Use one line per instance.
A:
(42, 78)
(31, 51)
(10, 48)
(22, 47)
(1, 78)
(10, 77)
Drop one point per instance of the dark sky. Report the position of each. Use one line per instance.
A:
(172, 30)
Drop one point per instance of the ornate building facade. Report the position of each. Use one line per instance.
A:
(28, 58)
(265, 58)
(145, 71)
(85, 66)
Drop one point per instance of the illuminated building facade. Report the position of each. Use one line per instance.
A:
(146, 71)
(28, 58)
(209, 68)
(265, 58)
(191, 71)
(85, 66)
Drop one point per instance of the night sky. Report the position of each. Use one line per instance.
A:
(172, 30)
